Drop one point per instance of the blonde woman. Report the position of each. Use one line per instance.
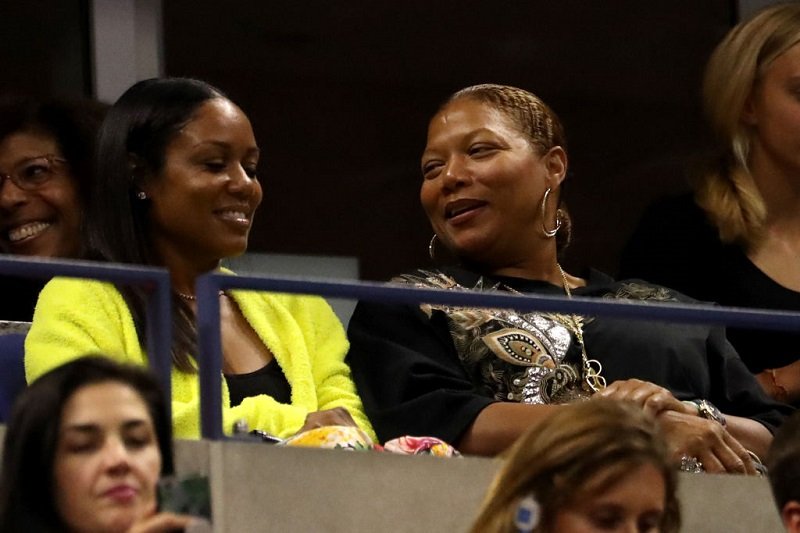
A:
(737, 240)
(602, 467)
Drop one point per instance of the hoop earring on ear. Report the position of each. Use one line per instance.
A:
(549, 233)
(141, 195)
(432, 248)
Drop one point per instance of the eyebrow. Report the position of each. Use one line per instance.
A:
(94, 428)
(223, 144)
(469, 136)
(34, 157)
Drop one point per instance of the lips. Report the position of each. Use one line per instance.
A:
(121, 493)
(236, 214)
(27, 231)
(460, 207)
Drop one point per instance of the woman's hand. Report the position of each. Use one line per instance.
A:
(653, 399)
(338, 416)
(782, 384)
(169, 522)
(694, 436)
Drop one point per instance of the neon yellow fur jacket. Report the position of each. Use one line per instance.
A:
(75, 317)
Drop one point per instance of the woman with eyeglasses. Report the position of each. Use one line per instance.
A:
(46, 150)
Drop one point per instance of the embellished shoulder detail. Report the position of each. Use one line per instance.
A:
(642, 292)
(440, 280)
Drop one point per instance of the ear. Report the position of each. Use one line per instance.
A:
(749, 115)
(138, 170)
(791, 516)
(555, 160)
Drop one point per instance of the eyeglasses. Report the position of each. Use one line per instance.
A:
(32, 173)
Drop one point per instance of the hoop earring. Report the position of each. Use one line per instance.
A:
(549, 233)
(432, 248)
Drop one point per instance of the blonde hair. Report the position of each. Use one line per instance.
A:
(728, 192)
(554, 461)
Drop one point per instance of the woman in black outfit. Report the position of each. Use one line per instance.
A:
(493, 167)
(737, 240)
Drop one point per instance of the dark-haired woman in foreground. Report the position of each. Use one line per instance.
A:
(84, 450)
(492, 173)
(177, 187)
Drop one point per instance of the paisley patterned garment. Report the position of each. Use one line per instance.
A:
(525, 357)
(431, 369)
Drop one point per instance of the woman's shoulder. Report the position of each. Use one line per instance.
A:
(438, 278)
(602, 285)
(674, 244)
(302, 308)
(71, 288)
(677, 218)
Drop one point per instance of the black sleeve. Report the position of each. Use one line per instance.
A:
(408, 373)
(734, 390)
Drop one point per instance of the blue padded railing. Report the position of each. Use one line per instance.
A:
(159, 302)
(209, 285)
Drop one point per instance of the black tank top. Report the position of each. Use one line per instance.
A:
(269, 380)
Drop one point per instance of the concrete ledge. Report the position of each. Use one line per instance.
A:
(257, 487)
(262, 488)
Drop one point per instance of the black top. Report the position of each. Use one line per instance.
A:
(676, 246)
(18, 297)
(429, 370)
(269, 380)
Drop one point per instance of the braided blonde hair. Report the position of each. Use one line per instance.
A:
(728, 192)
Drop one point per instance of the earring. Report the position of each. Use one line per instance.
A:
(529, 513)
(141, 195)
(549, 233)
(432, 248)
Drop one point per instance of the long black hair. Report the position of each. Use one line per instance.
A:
(131, 147)
(27, 488)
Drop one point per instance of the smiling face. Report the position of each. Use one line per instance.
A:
(204, 198)
(635, 503)
(773, 111)
(107, 460)
(44, 221)
(483, 184)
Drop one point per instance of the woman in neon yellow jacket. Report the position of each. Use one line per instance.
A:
(176, 186)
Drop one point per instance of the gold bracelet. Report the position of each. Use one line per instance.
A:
(781, 394)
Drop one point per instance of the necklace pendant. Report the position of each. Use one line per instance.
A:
(591, 375)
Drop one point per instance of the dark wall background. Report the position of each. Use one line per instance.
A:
(340, 94)
(45, 47)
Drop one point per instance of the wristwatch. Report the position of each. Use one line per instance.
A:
(709, 411)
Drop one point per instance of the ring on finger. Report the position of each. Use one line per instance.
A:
(691, 464)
